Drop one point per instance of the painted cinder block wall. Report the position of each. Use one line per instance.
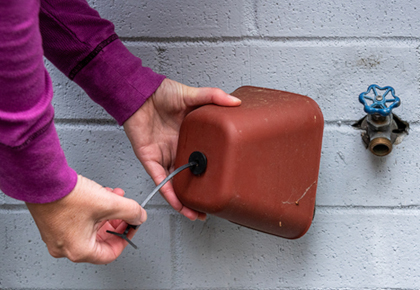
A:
(366, 232)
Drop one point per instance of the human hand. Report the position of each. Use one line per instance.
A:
(75, 226)
(153, 131)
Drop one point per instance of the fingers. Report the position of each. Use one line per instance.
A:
(118, 207)
(109, 246)
(107, 205)
(202, 216)
(118, 191)
(74, 226)
(201, 96)
(158, 175)
(170, 196)
(114, 223)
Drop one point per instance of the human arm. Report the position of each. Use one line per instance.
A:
(150, 107)
(70, 211)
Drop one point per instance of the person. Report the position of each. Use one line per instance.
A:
(72, 212)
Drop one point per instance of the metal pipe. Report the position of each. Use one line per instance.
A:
(380, 133)
(380, 146)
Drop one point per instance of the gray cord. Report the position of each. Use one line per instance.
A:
(148, 198)
(169, 177)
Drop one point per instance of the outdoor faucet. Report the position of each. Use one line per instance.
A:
(379, 124)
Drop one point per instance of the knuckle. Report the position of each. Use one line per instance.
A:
(59, 250)
(77, 256)
(219, 91)
(65, 249)
(56, 249)
(55, 253)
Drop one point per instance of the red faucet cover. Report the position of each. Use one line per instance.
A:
(262, 161)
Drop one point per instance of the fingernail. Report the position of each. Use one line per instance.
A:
(234, 98)
(143, 215)
(202, 217)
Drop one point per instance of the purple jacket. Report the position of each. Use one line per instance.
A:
(83, 46)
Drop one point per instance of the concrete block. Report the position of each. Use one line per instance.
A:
(344, 248)
(26, 263)
(104, 154)
(4, 199)
(226, 66)
(355, 18)
(169, 19)
(351, 175)
(334, 76)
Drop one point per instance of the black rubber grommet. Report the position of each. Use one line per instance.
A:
(201, 161)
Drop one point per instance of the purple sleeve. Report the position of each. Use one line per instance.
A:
(32, 165)
(84, 47)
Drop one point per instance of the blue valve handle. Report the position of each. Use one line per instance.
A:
(379, 105)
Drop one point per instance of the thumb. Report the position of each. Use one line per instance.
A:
(201, 96)
(118, 207)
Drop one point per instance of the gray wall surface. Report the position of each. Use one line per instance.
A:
(366, 231)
